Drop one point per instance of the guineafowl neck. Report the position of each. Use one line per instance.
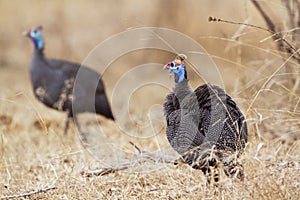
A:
(37, 68)
(182, 89)
(38, 52)
(38, 61)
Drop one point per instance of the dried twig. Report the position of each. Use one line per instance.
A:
(142, 156)
(136, 147)
(277, 36)
(268, 20)
(281, 43)
(43, 190)
(104, 171)
(214, 19)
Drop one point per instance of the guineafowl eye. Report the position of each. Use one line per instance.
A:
(33, 33)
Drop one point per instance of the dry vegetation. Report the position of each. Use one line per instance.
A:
(36, 155)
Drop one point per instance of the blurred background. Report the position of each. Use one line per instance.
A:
(260, 77)
(245, 57)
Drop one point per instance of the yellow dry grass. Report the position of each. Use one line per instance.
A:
(35, 154)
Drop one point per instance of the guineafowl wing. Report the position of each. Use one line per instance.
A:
(221, 120)
(182, 129)
(89, 92)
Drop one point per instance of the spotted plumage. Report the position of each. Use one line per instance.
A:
(53, 84)
(204, 126)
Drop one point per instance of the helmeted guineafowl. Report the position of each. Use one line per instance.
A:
(53, 82)
(204, 126)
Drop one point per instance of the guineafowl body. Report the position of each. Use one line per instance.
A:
(53, 83)
(204, 126)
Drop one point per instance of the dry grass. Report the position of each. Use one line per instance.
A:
(35, 154)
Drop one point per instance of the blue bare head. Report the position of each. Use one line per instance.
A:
(177, 68)
(36, 37)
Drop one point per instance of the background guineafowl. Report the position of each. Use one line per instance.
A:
(204, 126)
(53, 82)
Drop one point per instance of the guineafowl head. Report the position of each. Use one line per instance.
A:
(177, 68)
(36, 36)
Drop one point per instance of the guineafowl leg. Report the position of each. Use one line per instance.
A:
(234, 169)
(70, 116)
(210, 169)
(82, 134)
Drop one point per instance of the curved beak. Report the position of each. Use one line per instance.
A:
(26, 33)
(167, 66)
